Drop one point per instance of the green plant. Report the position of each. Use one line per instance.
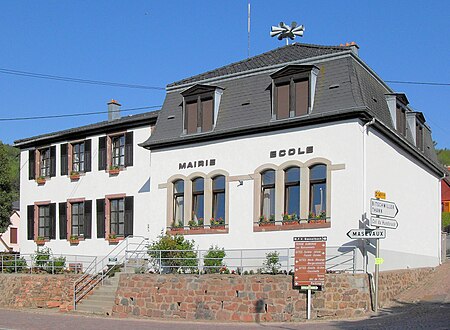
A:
(217, 222)
(173, 253)
(42, 257)
(112, 235)
(74, 173)
(40, 238)
(321, 215)
(11, 262)
(58, 265)
(213, 259)
(198, 223)
(73, 237)
(446, 221)
(114, 167)
(290, 217)
(272, 263)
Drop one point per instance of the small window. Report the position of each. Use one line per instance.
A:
(117, 217)
(44, 162)
(199, 115)
(292, 191)
(268, 194)
(118, 150)
(318, 191)
(13, 235)
(178, 202)
(218, 207)
(198, 199)
(78, 219)
(44, 221)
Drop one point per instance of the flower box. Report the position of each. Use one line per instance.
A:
(114, 240)
(74, 241)
(176, 228)
(196, 227)
(267, 224)
(40, 181)
(290, 223)
(75, 176)
(217, 227)
(40, 241)
(114, 171)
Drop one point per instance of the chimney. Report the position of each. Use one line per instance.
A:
(113, 110)
(353, 47)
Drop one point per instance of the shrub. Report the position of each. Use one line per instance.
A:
(446, 221)
(213, 259)
(272, 263)
(42, 257)
(58, 265)
(173, 253)
(11, 262)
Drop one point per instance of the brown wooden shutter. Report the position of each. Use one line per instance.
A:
(31, 164)
(101, 218)
(102, 153)
(191, 117)
(13, 235)
(301, 97)
(129, 149)
(208, 115)
(30, 222)
(87, 219)
(53, 161)
(62, 220)
(282, 101)
(64, 159)
(129, 205)
(52, 220)
(87, 156)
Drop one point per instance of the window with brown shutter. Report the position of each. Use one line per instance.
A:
(282, 101)
(301, 97)
(13, 235)
(401, 120)
(191, 117)
(207, 115)
(419, 136)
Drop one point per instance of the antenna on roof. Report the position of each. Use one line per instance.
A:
(284, 31)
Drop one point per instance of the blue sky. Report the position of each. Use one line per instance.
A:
(154, 43)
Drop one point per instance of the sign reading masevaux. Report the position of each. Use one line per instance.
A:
(366, 233)
(385, 223)
(383, 208)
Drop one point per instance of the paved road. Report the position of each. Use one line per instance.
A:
(404, 316)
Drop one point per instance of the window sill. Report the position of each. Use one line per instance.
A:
(291, 226)
(41, 242)
(198, 230)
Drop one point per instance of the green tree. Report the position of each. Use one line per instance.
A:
(213, 259)
(173, 254)
(6, 191)
(443, 156)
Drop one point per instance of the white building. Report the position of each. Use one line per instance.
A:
(292, 142)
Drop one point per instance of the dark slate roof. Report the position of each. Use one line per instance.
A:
(245, 106)
(100, 127)
(277, 56)
(16, 205)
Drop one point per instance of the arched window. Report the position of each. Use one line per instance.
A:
(318, 191)
(268, 195)
(292, 191)
(178, 202)
(218, 205)
(198, 197)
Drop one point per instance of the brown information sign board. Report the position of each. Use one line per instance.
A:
(310, 256)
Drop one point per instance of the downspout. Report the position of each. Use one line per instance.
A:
(364, 204)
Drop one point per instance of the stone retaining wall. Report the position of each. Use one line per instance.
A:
(37, 291)
(394, 282)
(249, 298)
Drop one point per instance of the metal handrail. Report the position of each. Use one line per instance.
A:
(89, 280)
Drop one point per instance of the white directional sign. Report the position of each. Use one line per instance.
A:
(382, 222)
(366, 233)
(383, 208)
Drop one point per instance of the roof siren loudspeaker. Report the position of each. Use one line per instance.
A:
(284, 31)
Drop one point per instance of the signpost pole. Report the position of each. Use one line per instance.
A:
(377, 275)
(309, 304)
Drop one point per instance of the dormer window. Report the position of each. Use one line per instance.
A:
(200, 107)
(401, 119)
(293, 91)
(397, 103)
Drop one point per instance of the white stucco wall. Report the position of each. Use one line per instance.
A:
(416, 192)
(132, 181)
(340, 143)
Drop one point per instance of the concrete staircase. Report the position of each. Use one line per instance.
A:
(101, 300)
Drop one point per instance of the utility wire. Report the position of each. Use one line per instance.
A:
(76, 114)
(417, 83)
(75, 80)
